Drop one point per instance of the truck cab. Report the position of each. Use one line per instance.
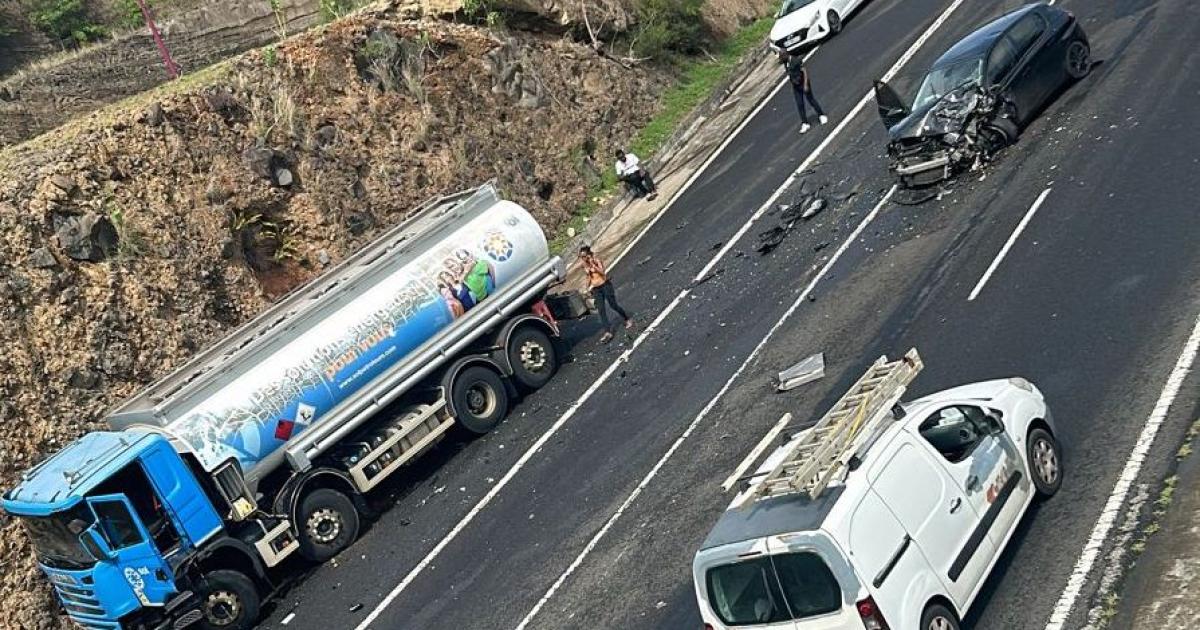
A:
(113, 518)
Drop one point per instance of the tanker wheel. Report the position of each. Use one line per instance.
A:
(328, 523)
(228, 601)
(532, 356)
(480, 399)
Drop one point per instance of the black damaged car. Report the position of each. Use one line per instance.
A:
(979, 94)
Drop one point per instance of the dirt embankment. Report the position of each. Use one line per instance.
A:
(132, 238)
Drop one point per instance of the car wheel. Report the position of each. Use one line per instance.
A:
(328, 524)
(1045, 462)
(480, 399)
(228, 601)
(835, 22)
(1079, 59)
(938, 617)
(998, 133)
(532, 357)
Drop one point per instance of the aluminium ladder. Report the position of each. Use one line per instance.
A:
(856, 420)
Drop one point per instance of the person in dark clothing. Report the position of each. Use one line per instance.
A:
(802, 89)
(602, 291)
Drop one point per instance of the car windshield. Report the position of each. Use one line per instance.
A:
(941, 81)
(790, 6)
(55, 543)
(772, 589)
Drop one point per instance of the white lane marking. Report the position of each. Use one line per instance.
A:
(703, 414)
(704, 167)
(1008, 245)
(1116, 500)
(587, 394)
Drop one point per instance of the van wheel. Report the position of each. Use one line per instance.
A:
(1045, 462)
(938, 617)
(835, 23)
(328, 523)
(480, 400)
(532, 357)
(228, 601)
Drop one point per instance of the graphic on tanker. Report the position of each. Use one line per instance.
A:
(289, 391)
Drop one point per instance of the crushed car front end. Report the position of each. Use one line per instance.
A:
(944, 139)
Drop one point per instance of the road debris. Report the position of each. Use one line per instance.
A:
(356, 608)
(806, 371)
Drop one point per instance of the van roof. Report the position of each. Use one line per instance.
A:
(771, 517)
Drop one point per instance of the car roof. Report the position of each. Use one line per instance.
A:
(772, 517)
(978, 43)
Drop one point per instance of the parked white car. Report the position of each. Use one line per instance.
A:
(909, 517)
(802, 22)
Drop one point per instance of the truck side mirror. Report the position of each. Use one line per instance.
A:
(95, 545)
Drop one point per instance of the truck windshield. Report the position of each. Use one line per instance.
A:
(53, 541)
(772, 589)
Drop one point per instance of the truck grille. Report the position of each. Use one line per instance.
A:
(79, 600)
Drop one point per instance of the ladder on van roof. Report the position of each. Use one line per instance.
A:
(856, 420)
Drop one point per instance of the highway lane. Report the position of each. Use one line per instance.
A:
(502, 564)
(1093, 302)
(434, 495)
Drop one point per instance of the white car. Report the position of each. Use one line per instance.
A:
(903, 537)
(802, 22)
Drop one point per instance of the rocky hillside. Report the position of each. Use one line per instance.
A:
(135, 236)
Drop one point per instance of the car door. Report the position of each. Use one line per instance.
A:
(985, 463)
(145, 570)
(934, 512)
(1030, 82)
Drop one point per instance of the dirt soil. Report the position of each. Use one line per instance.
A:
(228, 189)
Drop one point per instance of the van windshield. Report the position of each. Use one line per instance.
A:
(771, 589)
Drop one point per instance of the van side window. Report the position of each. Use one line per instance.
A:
(953, 432)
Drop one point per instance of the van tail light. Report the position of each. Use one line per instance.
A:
(871, 617)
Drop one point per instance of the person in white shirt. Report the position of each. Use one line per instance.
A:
(637, 179)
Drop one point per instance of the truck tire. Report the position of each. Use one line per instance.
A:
(480, 399)
(532, 356)
(328, 523)
(1045, 462)
(938, 617)
(228, 601)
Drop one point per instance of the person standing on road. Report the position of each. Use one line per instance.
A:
(602, 292)
(802, 89)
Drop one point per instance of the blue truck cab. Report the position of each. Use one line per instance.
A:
(113, 517)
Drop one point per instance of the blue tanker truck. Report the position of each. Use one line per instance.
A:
(263, 445)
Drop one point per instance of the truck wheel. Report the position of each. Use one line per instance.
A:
(532, 357)
(1045, 462)
(480, 400)
(938, 617)
(328, 523)
(228, 601)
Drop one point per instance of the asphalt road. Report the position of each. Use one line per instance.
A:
(1093, 302)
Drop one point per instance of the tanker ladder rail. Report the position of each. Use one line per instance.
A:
(812, 460)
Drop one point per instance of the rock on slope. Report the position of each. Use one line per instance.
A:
(134, 237)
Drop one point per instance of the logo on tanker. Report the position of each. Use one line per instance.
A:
(497, 246)
(134, 577)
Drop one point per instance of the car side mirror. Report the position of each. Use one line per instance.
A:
(995, 426)
(95, 545)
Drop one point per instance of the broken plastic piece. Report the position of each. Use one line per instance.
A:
(815, 206)
(806, 371)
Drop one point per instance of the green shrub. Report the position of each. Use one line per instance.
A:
(334, 9)
(64, 19)
(667, 27)
(131, 14)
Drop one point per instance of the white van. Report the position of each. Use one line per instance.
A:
(882, 515)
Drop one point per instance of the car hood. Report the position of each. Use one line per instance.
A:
(954, 109)
(794, 21)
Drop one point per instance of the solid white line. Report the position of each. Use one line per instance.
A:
(1116, 501)
(1008, 245)
(704, 167)
(587, 394)
(703, 413)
